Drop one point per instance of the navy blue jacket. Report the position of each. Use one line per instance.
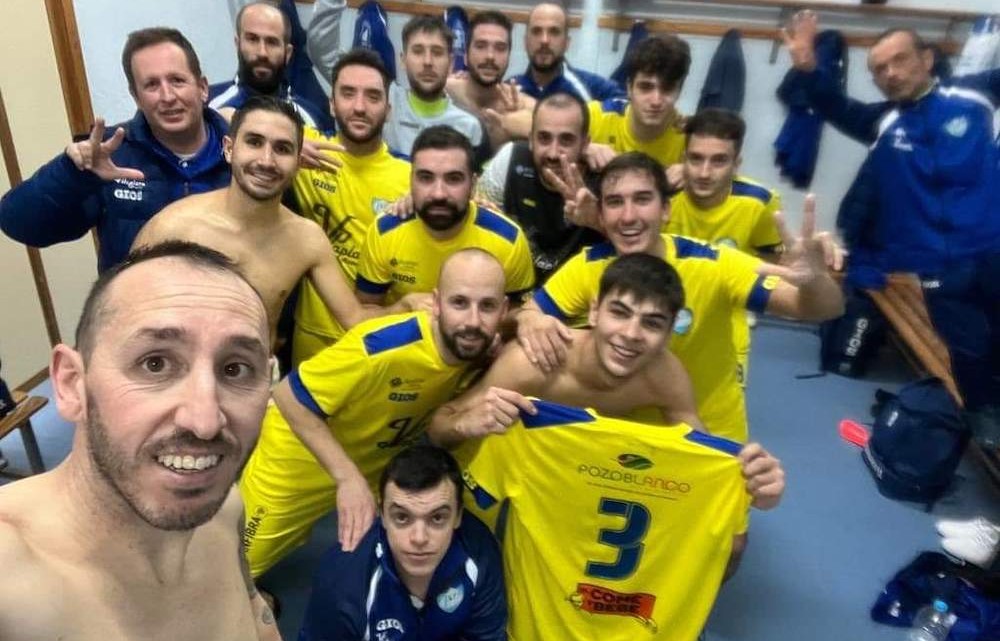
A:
(233, 94)
(797, 145)
(637, 34)
(726, 83)
(358, 595)
(937, 166)
(588, 86)
(61, 203)
(371, 31)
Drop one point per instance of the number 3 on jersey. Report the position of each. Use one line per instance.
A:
(628, 539)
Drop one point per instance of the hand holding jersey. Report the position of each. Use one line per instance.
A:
(576, 557)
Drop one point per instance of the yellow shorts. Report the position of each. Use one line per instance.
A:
(285, 491)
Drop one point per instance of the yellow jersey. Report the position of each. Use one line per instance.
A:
(345, 204)
(609, 125)
(400, 256)
(376, 389)
(744, 220)
(615, 530)
(716, 281)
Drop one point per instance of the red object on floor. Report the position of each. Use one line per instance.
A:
(854, 432)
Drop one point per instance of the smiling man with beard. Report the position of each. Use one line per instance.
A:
(246, 221)
(405, 256)
(263, 48)
(427, 56)
(342, 414)
(345, 202)
(137, 531)
(518, 178)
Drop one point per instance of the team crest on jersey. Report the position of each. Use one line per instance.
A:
(450, 599)
(957, 126)
(599, 600)
(684, 321)
(381, 206)
(726, 242)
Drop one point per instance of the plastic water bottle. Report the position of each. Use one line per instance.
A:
(932, 622)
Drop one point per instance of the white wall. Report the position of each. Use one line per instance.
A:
(208, 23)
(33, 96)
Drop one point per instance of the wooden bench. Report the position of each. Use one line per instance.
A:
(20, 419)
(902, 304)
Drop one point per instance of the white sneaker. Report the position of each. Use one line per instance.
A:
(969, 527)
(979, 549)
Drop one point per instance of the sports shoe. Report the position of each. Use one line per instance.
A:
(979, 549)
(969, 527)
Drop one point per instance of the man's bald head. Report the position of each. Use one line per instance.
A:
(546, 37)
(547, 10)
(472, 264)
(469, 303)
(266, 11)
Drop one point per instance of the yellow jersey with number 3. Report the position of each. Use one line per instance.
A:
(716, 281)
(345, 204)
(401, 256)
(615, 530)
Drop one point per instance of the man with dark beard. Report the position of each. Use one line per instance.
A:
(341, 415)
(345, 202)
(521, 178)
(482, 90)
(427, 56)
(246, 221)
(401, 257)
(137, 531)
(546, 40)
(263, 48)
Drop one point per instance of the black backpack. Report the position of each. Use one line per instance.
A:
(849, 343)
(917, 441)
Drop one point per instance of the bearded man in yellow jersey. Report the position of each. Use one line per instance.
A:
(722, 208)
(632, 207)
(341, 415)
(359, 179)
(402, 257)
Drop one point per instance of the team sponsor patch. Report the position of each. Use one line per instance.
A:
(129, 189)
(598, 600)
